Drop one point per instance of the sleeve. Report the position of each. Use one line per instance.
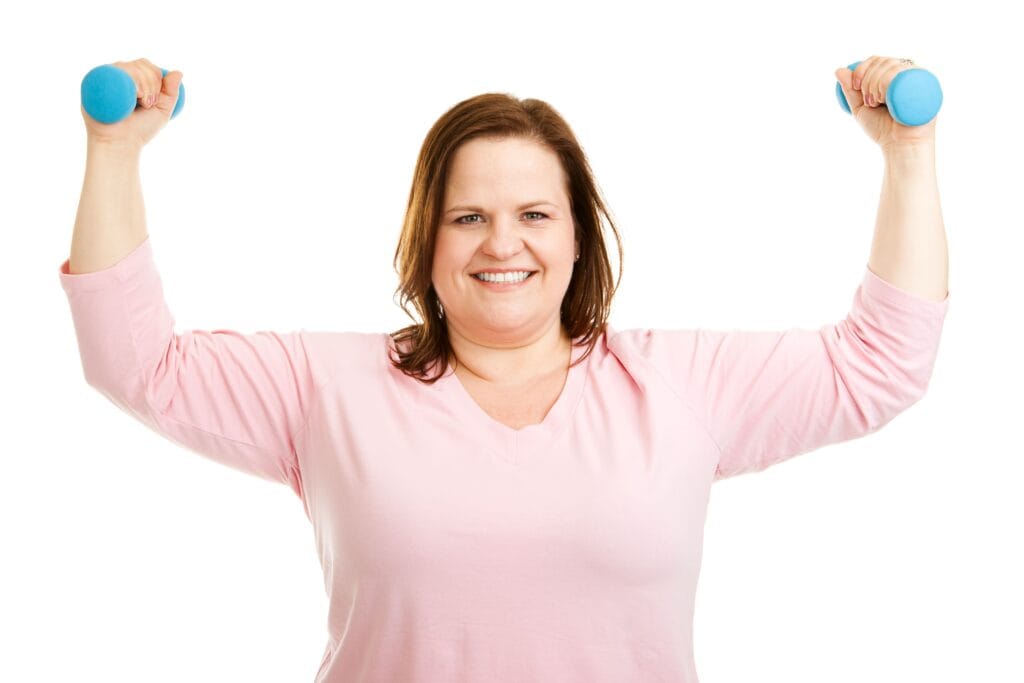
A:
(767, 396)
(235, 398)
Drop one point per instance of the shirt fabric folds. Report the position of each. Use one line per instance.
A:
(455, 548)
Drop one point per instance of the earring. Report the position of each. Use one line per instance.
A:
(577, 257)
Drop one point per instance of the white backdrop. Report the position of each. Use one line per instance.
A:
(746, 199)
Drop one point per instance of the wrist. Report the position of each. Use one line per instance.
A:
(115, 150)
(910, 151)
(916, 161)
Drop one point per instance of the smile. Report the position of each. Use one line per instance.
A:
(502, 285)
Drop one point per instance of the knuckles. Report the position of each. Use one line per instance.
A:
(860, 79)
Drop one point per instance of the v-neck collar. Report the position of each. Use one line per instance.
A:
(513, 444)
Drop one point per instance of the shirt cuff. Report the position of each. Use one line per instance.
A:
(122, 271)
(905, 300)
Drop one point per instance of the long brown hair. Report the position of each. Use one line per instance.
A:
(587, 302)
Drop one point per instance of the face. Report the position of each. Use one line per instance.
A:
(505, 208)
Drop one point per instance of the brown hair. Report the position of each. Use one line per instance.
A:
(587, 301)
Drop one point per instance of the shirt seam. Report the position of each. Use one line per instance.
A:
(313, 405)
(147, 378)
(682, 401)
(692, 412)
(218, 435)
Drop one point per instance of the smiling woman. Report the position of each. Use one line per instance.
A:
(502, 185)
(537, 514)
(526, 257)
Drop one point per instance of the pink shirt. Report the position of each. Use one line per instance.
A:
(455, 548)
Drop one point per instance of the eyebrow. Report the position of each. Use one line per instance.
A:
(538, 202)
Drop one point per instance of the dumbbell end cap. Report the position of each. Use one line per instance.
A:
(914, 97)
(108, 93)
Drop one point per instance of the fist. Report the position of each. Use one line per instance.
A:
(156, 96)
(865, 90)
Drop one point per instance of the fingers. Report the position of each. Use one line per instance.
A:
(861, 76)
(154, 81)
(873, 76)
(148, 80)
(885, 76)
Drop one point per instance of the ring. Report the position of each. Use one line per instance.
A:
(909, 62)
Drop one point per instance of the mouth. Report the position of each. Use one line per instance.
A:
(511, 284)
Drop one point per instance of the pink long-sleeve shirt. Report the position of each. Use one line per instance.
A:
(455, 548)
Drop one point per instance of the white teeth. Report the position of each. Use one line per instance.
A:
(515, 276)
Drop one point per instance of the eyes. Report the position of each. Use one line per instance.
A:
(462, 222)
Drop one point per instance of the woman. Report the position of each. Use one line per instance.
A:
(509, 490)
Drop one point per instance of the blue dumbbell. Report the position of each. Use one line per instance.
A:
(913, 97)
(108, 94)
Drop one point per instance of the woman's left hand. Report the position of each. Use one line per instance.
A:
(865, 91)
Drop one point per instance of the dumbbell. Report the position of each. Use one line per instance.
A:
(913, 97)
(108, 94)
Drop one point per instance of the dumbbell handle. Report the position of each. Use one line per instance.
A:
(108, 94)
(913, 97)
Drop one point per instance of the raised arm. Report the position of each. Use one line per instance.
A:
(909, 249)
(111, 220)
(765, 396)
(239, 399)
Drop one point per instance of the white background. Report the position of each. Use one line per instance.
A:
(746, 199)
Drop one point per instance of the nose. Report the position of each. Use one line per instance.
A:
(503, 238)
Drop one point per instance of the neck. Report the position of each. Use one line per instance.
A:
(513, 363)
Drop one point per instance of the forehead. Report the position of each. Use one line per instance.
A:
(489, 167)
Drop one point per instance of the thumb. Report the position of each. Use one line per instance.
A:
(170, 86)
(853, 97)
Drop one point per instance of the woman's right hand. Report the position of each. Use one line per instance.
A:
(156, 96)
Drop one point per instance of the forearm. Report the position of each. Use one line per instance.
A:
(111, 219)
(909, 248)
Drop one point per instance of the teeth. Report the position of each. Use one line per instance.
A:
(515, 276)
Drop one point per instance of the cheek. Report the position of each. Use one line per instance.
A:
(448, 263)
(452, 250)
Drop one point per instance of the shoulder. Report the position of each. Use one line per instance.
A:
(655, 356)
(651, 345)
(354, 353)
(345, 345)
